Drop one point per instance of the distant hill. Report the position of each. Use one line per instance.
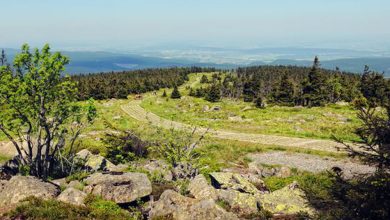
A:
(91, 62)
(356, 65)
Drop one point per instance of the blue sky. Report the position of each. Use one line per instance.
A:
(129, 24)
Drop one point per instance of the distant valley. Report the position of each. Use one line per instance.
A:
(346, 60)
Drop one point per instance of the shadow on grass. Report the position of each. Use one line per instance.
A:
(363, 197)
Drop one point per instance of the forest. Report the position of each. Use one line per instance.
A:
(281, 85)
(120, 84)
(295, 86)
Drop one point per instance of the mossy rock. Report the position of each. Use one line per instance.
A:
(286, 201)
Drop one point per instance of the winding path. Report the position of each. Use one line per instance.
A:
(134, 110)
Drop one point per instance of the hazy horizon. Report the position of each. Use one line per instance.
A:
(131, 25)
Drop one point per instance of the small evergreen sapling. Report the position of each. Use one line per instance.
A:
(175, 93)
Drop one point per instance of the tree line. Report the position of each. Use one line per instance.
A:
(120, 84)
(293, 86)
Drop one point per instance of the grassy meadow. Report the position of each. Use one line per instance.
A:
(317, 122)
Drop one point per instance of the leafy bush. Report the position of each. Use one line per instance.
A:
(179, 147)
(124, 147)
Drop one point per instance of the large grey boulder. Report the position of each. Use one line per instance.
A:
(288, 200)
(263, 171)
(72, 196)
(233, 181)
(2, 184)
(175, 206)
(242, 203)
(120, 188)
(21, 187)
(200, 188)
(75, 184)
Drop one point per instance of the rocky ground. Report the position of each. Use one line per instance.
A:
(230, 194)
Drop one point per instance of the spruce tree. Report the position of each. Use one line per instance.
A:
(164, 94)
(315, 87)
(199, 92)
(213, 94)
(259, 102)
(175, 93)
(204, 79)
(285, 93)
(191, 92)
(374, 88)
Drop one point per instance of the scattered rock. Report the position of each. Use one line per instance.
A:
(60, 182)
(216, 108)
(21, 187)
(297, 128)
(264, 171)
(256, 181)
(247, 108)
(232, 181)
(242, 203)
(75, 184)
(157, 166)
(95, 162)
(83, 154)
(235, 118)
(120, 188)
(311, 163)
(184, 171)
(288, 200)
(200, 188)
(283, 172)
(339, 117)
(117, 117)
(206, 108)
(172, 205)
(342, 103)
(72, 196)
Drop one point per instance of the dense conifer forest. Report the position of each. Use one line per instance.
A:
(281, 85)
(293, 85)
(120, 84)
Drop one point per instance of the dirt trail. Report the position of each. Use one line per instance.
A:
(134, 110)
(311, 163)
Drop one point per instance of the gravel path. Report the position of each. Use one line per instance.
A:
(311, 163)
(134, 110)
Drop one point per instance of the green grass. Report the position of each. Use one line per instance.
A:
(317, 122)
(307, 181)
(96, 208)
(216, 153)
